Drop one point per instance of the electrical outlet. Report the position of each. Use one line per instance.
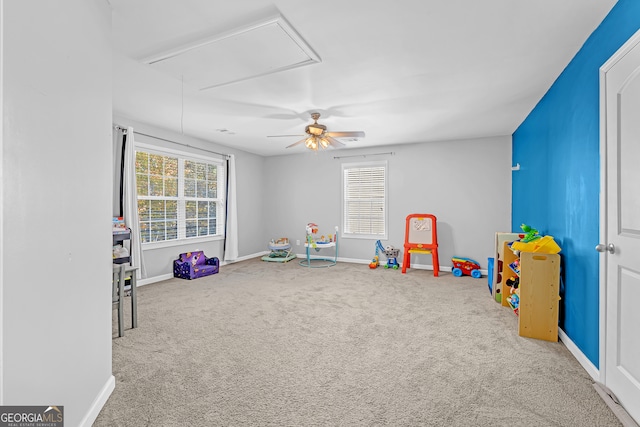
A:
(298, 242)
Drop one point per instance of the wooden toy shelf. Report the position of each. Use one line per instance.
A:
(538, 291)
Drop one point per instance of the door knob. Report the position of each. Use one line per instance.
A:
(610, 248)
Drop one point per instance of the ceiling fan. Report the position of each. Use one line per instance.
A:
(317, 137)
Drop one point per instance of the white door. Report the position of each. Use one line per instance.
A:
(621, 237)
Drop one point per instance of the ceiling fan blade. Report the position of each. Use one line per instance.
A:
(281, 136)
(296, 143)
(334, 142)
(352, 134)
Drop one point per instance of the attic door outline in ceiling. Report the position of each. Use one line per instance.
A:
(265, 47)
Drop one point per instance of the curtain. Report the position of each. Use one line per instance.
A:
(118, 154)
(231, 232)
(130, 203)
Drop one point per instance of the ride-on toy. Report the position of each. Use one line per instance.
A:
(465, 266)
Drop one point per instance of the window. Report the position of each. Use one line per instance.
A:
(178, 197)
(364, 200)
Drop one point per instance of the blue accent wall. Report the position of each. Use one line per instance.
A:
(557, 188)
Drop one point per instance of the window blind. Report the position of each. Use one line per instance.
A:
(364, 200)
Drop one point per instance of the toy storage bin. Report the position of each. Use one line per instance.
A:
(545, 245)
(490, 274)
(539, 295)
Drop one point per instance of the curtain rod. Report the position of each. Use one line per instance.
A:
(124, 130)
(364, 155)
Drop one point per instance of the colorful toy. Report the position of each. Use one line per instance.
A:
(392, 257)
(544, 244)
(515, 266)
(513, 282)
(530, 235)
(195, 264)
(390, 252)
(280, 250)
(420, 237)
(465, 266)
(323, 242)
(514, 302)
(375, 262)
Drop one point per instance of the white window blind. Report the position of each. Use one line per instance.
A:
(364, 200)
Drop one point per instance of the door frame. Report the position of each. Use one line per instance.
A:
(617, 56)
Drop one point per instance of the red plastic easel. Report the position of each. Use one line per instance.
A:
(421, 237)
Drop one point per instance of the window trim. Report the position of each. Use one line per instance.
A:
(187, 155)
(358, 165)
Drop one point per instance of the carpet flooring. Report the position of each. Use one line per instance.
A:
(278, 344)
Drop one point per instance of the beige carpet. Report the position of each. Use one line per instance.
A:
(270, 344)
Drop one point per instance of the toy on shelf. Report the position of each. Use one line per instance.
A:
(530, 235)
(514, 302)
(118, 225)
(515, 266)
(280, 250)
(465, 266)
(545, 245)
(513, 282)
(311, 242)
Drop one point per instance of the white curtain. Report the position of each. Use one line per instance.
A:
(231, 241)
(130, 204)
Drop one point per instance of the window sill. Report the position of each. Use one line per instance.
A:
(181, 242)
(364, 236)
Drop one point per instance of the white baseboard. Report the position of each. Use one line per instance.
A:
(99, 402)
(367, 261)
(244, 258)
(579, 355)
(150, 280)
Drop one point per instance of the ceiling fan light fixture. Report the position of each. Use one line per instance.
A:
(319, 139)
(315, 129)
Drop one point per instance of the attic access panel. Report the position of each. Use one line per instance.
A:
(263, 48)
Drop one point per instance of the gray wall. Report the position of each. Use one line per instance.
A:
(56, 167)
(466, 184)
(56, 99)
(249, 173)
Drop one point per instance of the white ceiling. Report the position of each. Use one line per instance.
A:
(403, 72)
